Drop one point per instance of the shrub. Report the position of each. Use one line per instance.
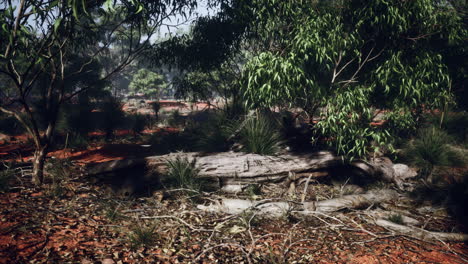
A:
(58, 172)
(77, 141)
(183, 173)
(176, 119)
(76, 119)
(143, 236)
(213, 135)
(5, 178)
(259, 136)
(431, 149)
(156, 106)
(396, 218)
(112, 116)
(139, 122)
(10, 126)
(456, 125)
(253, 190)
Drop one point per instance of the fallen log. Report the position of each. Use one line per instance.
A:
(276, 209)
(420, 233)
(234, 171)
(353, 201)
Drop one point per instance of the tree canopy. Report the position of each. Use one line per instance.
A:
(351, 59)
(49, 49)
(148, 83)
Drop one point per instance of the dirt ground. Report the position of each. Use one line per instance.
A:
(82, 221)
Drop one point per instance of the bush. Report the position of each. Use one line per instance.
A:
(5, 178)
(431, 149)
(183, 173)
(58, 172)
(112, 116)
(176, 119)
(163, 143)
(76, 119)
(77, 142)
(212, 134)
(259, 136)
(139, 122)
(143, 236)
(456, 125)
(10, 126)
(396, 218)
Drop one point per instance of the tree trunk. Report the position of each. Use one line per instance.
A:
(38, 165)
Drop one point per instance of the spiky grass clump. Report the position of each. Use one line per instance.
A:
(58, 172)
(431, 149)
(143, 236)
(139, 123)
(260, 136)
(396, 218)
(183, 173)
(215, 133)
(5, 179)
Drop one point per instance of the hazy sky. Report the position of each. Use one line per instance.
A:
(178, 23)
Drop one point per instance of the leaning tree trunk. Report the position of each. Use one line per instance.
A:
(38, 165)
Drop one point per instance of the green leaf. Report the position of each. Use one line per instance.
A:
(139, 9)
(57, 24)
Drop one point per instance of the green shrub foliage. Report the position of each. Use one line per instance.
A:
(347, 59)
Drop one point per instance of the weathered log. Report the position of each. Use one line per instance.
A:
(406, 220)
(420, 233)
(234, 171)
(351, 201)
(276, 209)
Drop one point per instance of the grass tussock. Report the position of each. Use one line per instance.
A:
(260, 136)
(183, 173)
(432, 149)
(143, 236)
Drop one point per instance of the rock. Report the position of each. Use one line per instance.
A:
(108, 261)
(403, 172)
(4, 137)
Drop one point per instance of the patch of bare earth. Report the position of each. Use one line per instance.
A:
(85, 223)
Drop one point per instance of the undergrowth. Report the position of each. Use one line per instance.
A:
(183, 173)
(432, 149)
(6, 175)
(260, 136)
(143, 236)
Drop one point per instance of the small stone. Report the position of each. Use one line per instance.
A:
(108, 261)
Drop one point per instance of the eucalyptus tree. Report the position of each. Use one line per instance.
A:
(47, 47)
(209, 56)
(352, 60)
(150, 84)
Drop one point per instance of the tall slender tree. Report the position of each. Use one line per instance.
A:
(46, 47)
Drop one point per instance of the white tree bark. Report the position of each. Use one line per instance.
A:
(420, 233)
(276, 209)
(235, 170)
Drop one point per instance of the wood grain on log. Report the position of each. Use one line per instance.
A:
(240, 169)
